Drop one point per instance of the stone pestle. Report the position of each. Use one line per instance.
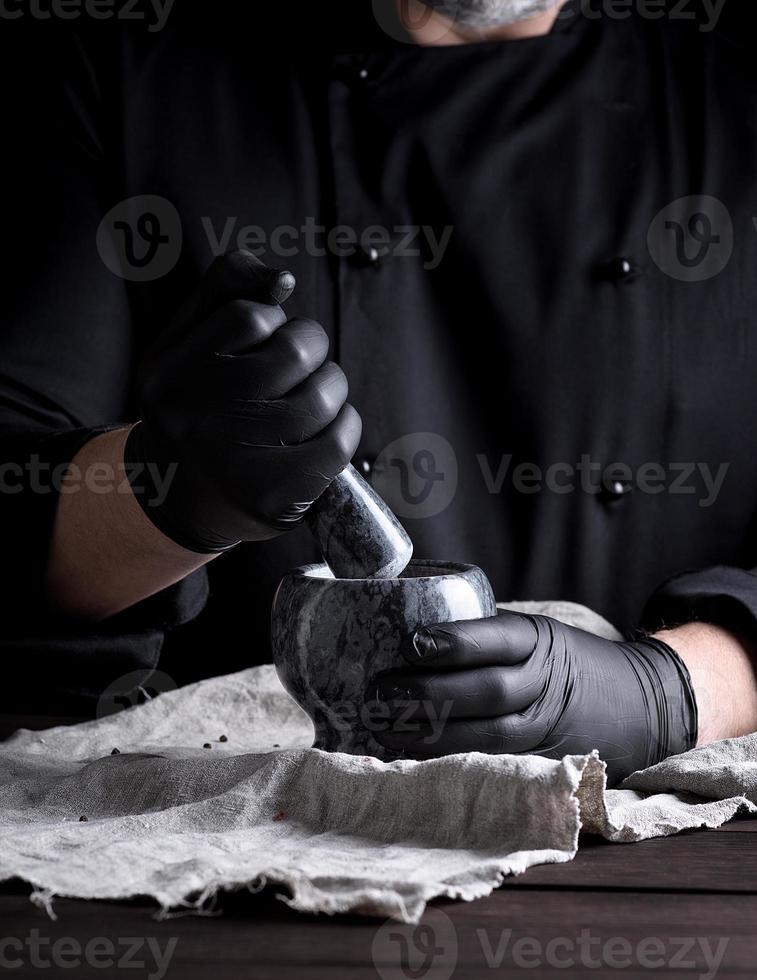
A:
(358, 534)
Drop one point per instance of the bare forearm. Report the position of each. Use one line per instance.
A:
(105, 555)
(723, 669)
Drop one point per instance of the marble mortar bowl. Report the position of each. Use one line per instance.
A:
(331, 636)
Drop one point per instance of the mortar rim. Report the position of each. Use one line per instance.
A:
(452, 571)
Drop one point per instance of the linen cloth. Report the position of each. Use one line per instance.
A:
(170, 819)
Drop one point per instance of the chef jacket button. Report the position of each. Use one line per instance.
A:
(621, 269)
(614, 491)
(367, 256)
(364, 466)
(361, 75)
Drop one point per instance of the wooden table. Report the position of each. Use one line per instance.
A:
(683, 906)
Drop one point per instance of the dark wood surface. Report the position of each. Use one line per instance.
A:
(682, 906)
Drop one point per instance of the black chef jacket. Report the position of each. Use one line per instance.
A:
(566, 327)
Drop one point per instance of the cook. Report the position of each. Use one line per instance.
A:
(594, 299)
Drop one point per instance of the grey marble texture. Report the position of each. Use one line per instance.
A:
(358, 534)
(332, 636)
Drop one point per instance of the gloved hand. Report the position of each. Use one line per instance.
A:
(529, 684)
(241, 402)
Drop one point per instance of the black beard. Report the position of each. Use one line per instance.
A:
(489, 13)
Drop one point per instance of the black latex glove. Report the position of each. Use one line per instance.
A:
(529, 684)
(243, 399)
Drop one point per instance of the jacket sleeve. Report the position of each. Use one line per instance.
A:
(722, 594)
(66, 352)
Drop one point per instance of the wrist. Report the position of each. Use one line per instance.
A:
(723, 676)
(105, 555)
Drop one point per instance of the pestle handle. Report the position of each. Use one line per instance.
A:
(359, 535)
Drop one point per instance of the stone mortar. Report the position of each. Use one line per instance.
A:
(331, 636)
